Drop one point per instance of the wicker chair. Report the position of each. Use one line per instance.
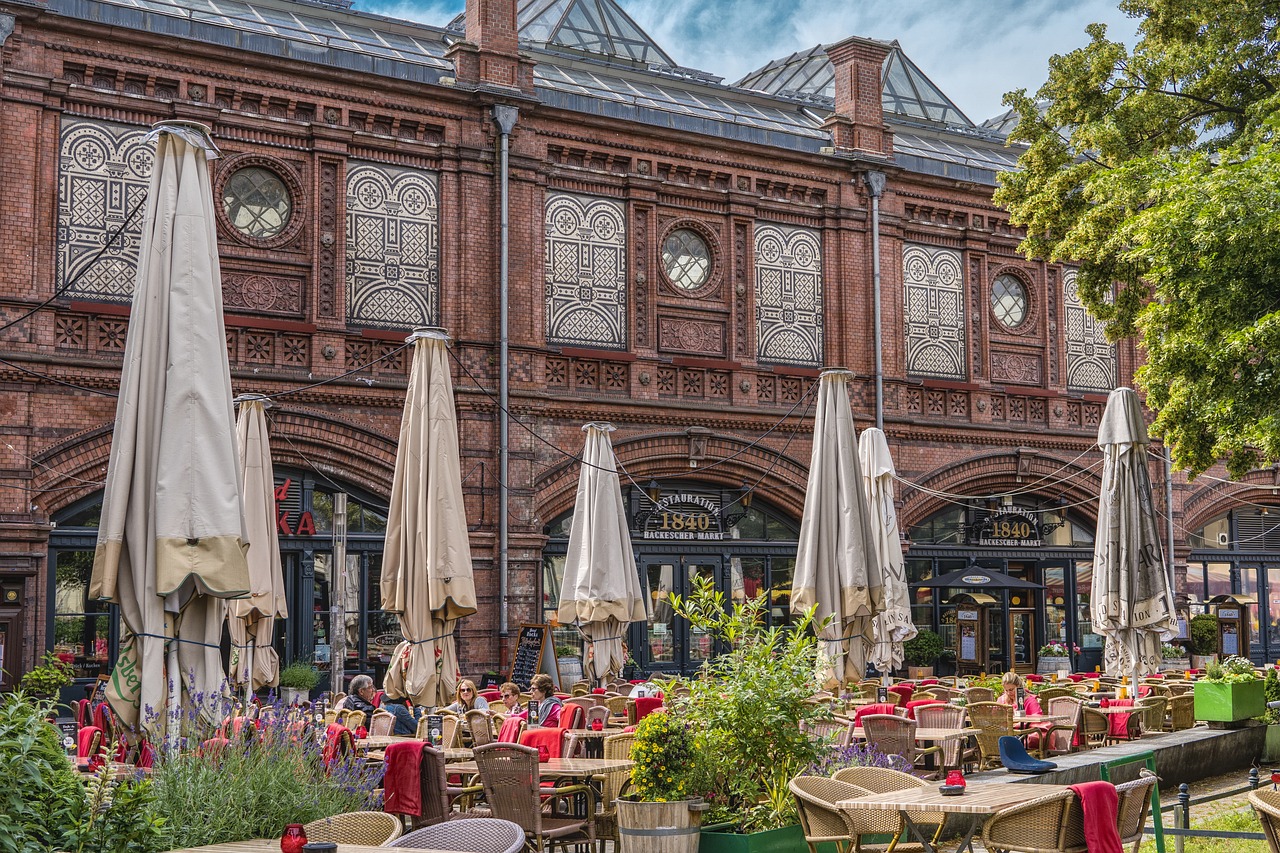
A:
(1050, 824)
(1154, 708)
(372, 828)
(835, 731)
(816, 798)
(438, 795)
(451, 732)
(1266, 804)
(1182, 712)
(612, 785)
(882, 780)
(1134, 797)
(894, 735)
(480, 724)
(509, 773)
(1095, 727)
(1054, 692)
(979, 694)
(478, 834)
(381, 724)
(351, 719)
(993, 722)
(1058, 739)
(617, 706)
(954, 753)
(599, 712)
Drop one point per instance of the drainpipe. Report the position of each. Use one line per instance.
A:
(1168, 508)
(875, 186)
(505, 117)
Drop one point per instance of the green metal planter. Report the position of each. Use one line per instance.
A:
(1228, 702)
(721, 838)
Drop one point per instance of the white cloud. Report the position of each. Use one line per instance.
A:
(974, 50)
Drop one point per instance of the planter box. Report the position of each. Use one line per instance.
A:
(788, 839)
(1271, 751)
(1223, 702)
(1052, 666)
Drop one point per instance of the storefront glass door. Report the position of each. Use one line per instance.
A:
(670, 643)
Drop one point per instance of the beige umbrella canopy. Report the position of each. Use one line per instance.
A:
(1132, 594)
(836, 565)
(426, 570)
(171, 539)
(254, 662)
(601, 591)
(893, 625)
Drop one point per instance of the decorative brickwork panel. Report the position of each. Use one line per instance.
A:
(1091, 360)
(259, 348)
(69, 332)
(792, 390)
(268, 294)
(766, 389)
(103, 173)
(666, 382)
(295, 350)
(586, 285)
(557, 372)
(718, 384)
(680, 334)
(915, 401)
(111, 334)
(393, 246)
(1019, 368)
(615, 377)
(934, 282)
(586, 375)
(691, 383)
(788, 295)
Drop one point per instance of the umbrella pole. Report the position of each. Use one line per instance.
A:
(248, 681)
(173, 713)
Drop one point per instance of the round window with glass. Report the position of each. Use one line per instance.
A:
(257, 202)
(1009, 301)
(686, 259)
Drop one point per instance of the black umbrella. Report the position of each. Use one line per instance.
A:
(974, 576)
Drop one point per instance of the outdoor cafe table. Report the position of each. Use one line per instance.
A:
(272, 845)
(981, 799)
(594, 739)
(1032, 719)
(931, 735)
(560, 768)
(375, 746)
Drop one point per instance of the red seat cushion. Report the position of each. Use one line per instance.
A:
(547, 738)
(875, 708)
(903, 690)
(916, 703)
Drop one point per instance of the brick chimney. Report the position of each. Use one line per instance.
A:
(490, 55)
(858, 122)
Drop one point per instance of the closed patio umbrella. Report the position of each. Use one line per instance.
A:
(1132, 593)
(171, 539)
(893, 625)
(836, 564)
(254, 662)
(601, 591)
(426, 569)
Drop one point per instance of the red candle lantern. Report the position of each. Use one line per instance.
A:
(293, 839)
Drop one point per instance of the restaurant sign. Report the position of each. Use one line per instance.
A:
(1011, 527)
(684, 515)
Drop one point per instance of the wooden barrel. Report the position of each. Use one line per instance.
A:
(659, 827)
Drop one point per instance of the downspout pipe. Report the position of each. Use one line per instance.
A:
(505, 118)
(875, 186)
(1168, 508)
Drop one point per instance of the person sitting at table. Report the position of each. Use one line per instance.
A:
(510, 692)
(1011, 682)
(467, 698)
(361, 696)
(542, 689)
(398, 707)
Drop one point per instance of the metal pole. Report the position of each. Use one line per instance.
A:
(1168, 509)
(505, 117)
(875, 186)
(338, 596)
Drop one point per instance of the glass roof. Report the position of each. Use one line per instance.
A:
(594, 26)
(907, 91)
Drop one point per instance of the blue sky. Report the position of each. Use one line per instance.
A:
(974, 50)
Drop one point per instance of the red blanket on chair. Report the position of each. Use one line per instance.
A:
(509, 732)
(1101, 809)
(402, 782)
(1120, 722)
(544, 737)
(646, 705)
(875, 708)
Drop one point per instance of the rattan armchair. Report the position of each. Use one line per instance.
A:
(509, 774)
(352, 719)
(836, 731)
(979, 694)
(480, 724)
(1154, 708)
(371, 828)
(894, 735)
(617, 705)
(993, 721)
(1049, 824)
(382, 723)
(1135, 798)
(1095, 727)
(955, 752)
(481, 835)
(1060, 738)
(1054, 692)
(816, 798)
(1266, 804)
(882, 780)
(1182, 712)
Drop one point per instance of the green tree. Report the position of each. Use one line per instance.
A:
(1157, 171)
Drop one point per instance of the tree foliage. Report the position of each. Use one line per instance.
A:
(1157, 171)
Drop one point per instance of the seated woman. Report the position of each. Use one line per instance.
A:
(542, 689)
(1009, 696)
(511, 700)
(398, 706)
(466, 698)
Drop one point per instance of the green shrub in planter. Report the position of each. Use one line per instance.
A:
(299, 676)
(1230, 692)
(1204, 634)
(49, 677)
(923, 649)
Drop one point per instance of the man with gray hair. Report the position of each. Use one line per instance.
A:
(361, 696)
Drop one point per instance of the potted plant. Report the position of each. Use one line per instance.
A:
(1173, 658)
(297, 680)
(661, 811)
(921, 652)
(1230, 691)
(1054, 657)
(1203, 639)
(747, 712)
(45, 680)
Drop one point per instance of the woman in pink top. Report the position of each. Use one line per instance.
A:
(1011, 682)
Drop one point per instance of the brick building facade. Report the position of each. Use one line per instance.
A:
(684, 256)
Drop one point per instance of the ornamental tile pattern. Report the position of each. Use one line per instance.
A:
(933, 279)
(103, 173)
(788, 265)
(1091, 359)
(393, 246)
(586, 282)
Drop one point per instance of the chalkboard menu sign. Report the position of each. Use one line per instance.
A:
(489, 680)
(70, 734)
(534, 654)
